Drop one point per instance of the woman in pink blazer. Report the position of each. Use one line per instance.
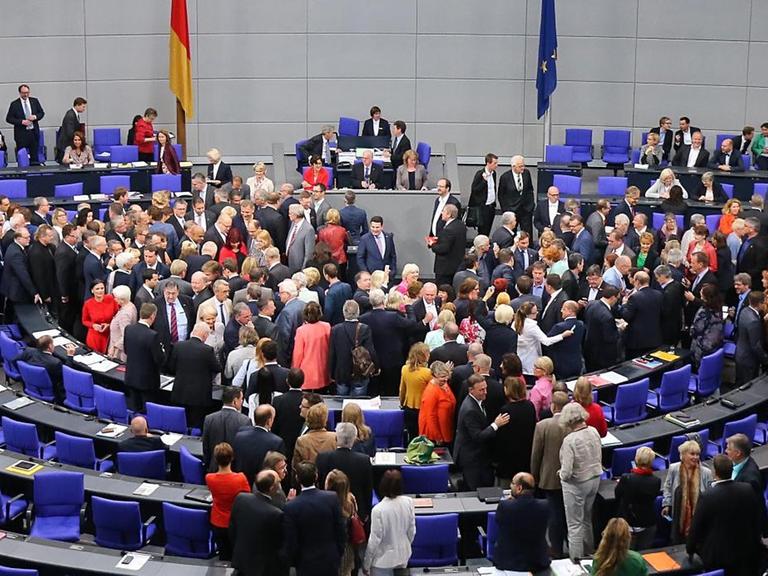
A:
(310, 351)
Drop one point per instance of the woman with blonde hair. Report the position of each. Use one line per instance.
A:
(530, 338)
(582, 395)
(409, 275)
(731, 211)
(257, 244)
(411, 175)
(662, 186)
(188, 248)
(259, 181)
(414, 377)
(541, 393)
(438, 406)
(435, 338)
(219, 173)
(685, 482)
(365, 442)
(338, 482)
(250, 366)
(379, 279)
(613, 556)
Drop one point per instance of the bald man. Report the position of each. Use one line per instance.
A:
(252, 443)
(141, 440)
(566, 354)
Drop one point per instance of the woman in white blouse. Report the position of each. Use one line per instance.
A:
(530, 338)
(661, 187)
(393, 526)
(259, 181)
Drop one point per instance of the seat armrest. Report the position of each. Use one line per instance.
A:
(28, 517)
(106, 458)
(145, 527)
(481, 532)
(8, 507)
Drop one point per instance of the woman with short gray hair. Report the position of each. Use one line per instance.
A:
(580, 470)
(125, 316)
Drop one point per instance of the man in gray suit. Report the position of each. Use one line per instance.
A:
(222, 426)
(301, 239)
(750, 354)
(146, 293)
(320, 204)
(596, 225)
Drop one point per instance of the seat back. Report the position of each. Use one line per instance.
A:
(149, 464)
(580, 139)
(105, 138)
(166, 418)
(431, 479)
(110, 404)
(746, 426)
(630, 402)
(7, 571)
(22, 157)
(118, 524)
(436, 540)
(387, 427)
(37, 383)
(14, 188)
(558, 154)
(720, 137)
(58, 493)
(349, 126)
(658, 220)
(673, 394)
(68, 190)
(3, 159)
(728, 189)
(568, 185)
(491, 535)
(123, 154)
(75, 451)
(424, 152)
(713, 221)
(21, 437)
(191, 467)
(187, 532)
(78, 390)
(760, 188)
(674, 445)
(10, 349)
(616, 146)
(170, 182)
(710, 373)
(42, 151)
(621, 459)
(746, 159)
(611, 185)
(107, 184)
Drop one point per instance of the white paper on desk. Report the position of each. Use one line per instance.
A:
(613, 377)
(610, 440)
(75, 166)
(88, 359)
(565, 567)
(170, 438)
(62, 341)
(137, 561)
(146, 489)
(385, 458)
(99, 197)
(365, 404)
(101, 165)
(139, 164)
(493, 571)
(104, 366)
(641, 166)
(571, 385)
(112, 430)
(81, 198)
(183, 194)
(52, 333)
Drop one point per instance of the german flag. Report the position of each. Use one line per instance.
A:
(180, 63)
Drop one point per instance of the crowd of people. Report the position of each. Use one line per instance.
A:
(251, 285)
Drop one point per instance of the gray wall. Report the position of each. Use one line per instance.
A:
(456, 71)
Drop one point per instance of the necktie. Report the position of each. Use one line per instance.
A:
(519, 180)
(174, 325)
(482, 408)
(367, 173)
(292, 238)
(221, 312)
(394, 144)
(25, 105)
(326, 152)
(380, 244)
(525, 260)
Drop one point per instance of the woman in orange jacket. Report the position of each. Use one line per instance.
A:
(438, 406)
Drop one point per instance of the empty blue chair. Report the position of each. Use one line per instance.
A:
(168, 419)
(728, 189)
(77, 451)
(170, 182)
(107, 184)
(616, 146)
(68, 190)
(119, 525)
(37, 383)
(110, 405)
(436, 541)
(3, 159)
(149, 464)
(105, 138)
(760, 188)
(14, 188)
(22, 158)
(720, 137)
(746, 426)
(22, 437)
(387, 427)
(11, 330)
(657, 220)
(487, 539)
(673, 392)
(629, 405)
(431, 479)
(330, 175)
(187, 532)
(558, 154)
(59, 505)
(580, 139)
(746, 159)
(349, 126)
(7, 571)
(424, 152)
(713, 221)
(123, 154)
(191, 467)
(10, 349)
(611, 186)
(674, 445)
(78, 390)
(568, 185)
(707, 380)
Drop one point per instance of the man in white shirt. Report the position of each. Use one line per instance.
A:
(694, 156)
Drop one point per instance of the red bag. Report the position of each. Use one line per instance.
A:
(356, 530)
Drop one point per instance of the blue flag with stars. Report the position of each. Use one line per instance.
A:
(546, 75)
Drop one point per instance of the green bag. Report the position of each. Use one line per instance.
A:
(421, 450)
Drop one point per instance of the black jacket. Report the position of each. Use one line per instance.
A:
(162, 323)
(643, 315)
(375, 175)
(521, 543)
(383, 128)
(602, 337)
(471, 450)
(145, 357)
(358, 469)
(450, 248)
(266, 381)
(221, 426)
(672, 302)
(256, 533)
(288, 421)
(341, 346)
(66, 278)
(141, 444)
(16, 283)
(450, 352)
(636, 494)
(194, 364)
(273, 222)
(513, 200)
(42, 268)
(251, 445)
(223, 175)
(500, 339)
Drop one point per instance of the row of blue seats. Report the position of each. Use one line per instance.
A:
(17, 187)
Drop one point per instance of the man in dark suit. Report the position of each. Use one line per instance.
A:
(219, 173)
(272, 221)
(202, 291)
(601, 341)
(752, 256)
(93, 265)
(222, 426)
(750, 350)
(471, 450)
(367, 174)
(666, 136)
(523, 256)
(252, 443)
(443, 199)
(146, 290)
(516, 193)
(400, 144)
(355, 465)
(354, 219)
(42, 355)
(42, 266)
(743, 141)
(551, 313)
(449, 246)
(684, 135)
(256, 530)
(702, 276)
(288, 419)
(277, 270)
(369, 250)
(288, 321)
(672, 302)
(745, 469)
(313, 551)
(547, 214)
(429, 301)
(25, 114)
(583, 243)
(484, 194)
(522, 520)
(450, 351)
(595, 224)
(271, 377)
(241, 316)
(145, 357)
(194, 364)
(642, 311)
(567, 354)
(173, 308)
(504, 235)
(725, 528)
(150, 261)
(376, 125)
(693, 156)
(218, 232)
(200, 212)
(141, 440)
(627, 206)
(16, 283)
(66, 278)
(263, 319)
(321, 145)
(69, 125)
(345, 336)
(727, 159)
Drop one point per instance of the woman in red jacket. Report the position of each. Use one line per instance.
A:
(224, 485)
(335, 236)
(234, 249)
(438, 405)
(582, 394)
(315, 174)
(310, 352)
(145, 136)
(97, 314)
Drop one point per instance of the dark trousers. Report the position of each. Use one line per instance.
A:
(136, 399)
(525, 221)
(196, 415)
(557, 528)
(29, 140)
(441, 279)
(411, 417)
(147, 156)
(221, 535)
(487, 214)
(387, 383)
(478, 477)
(762, 162)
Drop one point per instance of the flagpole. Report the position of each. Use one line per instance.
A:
(181, 129)
(547, 127)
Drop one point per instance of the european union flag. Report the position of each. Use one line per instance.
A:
(546, 75)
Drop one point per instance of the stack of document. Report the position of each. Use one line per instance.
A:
(104, 366)
(614, 377)
(112, 430)
(102, 165)
(385, 458)
(62, 341)
(88, 359)
(610, 440)
(40, 333)
(170, 438)
(146, 489)
(365, 404)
